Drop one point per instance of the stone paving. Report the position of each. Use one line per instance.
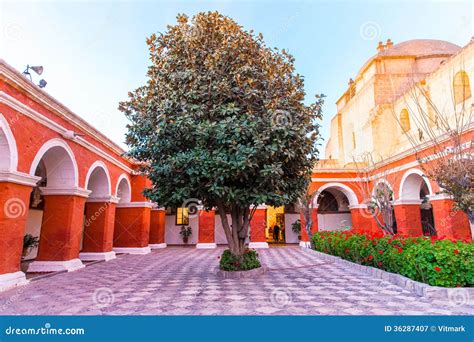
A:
(183, 281)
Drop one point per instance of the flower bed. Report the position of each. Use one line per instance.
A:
(429, 260)
(231, 262)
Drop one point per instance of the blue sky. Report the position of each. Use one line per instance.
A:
(93, 53)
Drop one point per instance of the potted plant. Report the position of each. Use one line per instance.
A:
(296, 228)
(29, 242)
(186, 233)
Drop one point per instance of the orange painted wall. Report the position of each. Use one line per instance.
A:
(62, 228)
(13, 213)
(132, 227)
(99, 227)
(157, 226)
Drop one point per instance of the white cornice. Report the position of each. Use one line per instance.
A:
(65, 192)
(39, 95)
(45, 121)
(18, 178)
(135, 205)
(407, 202)
(358, 206)
(439, 197)
(107, 199)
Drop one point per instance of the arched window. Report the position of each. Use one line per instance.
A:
(405, 120)
(461, 87)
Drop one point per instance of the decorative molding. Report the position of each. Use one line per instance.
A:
(157, 245)
(407, 202)
(156, 208)
(107, 199)
(206, 245)
(45, 121)
(135, 205)
(10, 280)
(132, 250)
(55, 266)
(45, 191)
(358, 206)
(258, 245)
(19, 178)
(41, 96)
(439, 197)
(91, 256)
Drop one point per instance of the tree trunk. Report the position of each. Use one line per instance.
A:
(237, 232)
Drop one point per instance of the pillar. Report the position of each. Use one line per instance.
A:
(157, 228)
(132, 228)
(206, 235)
(257, 228)
(99, 223)
(408, 216)
(15, 189)
(363, 220)
(314, 227)
(449, 223)
(61, 230)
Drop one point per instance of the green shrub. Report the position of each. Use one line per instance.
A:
(231, 262)
(436, 262)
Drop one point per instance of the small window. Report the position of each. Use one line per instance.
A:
(405, 120)
(182, 216)
(461, 87)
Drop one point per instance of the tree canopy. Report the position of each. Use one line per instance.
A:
(222, 119)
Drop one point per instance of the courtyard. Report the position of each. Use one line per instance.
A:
(183, 281)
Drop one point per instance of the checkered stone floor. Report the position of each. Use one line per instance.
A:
(183, 281)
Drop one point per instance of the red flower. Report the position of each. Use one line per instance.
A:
(437, 269)
(456, 251)
(371, 257)
(347, 251)
(381, 251)
(380, 264)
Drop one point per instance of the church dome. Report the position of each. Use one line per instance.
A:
(420, 48)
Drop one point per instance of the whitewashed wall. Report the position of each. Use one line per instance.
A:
(333, 222)
(33, 227)
(291, 237)
(172, 235)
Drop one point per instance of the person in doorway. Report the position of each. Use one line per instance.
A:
(276, 233)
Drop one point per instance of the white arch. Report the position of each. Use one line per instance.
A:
(410, 185)
(98, 189)
(64, 166)
(125, 190)
(350, 194)
(385, 182)
(7, 147)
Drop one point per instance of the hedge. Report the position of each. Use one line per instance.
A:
(432, 261)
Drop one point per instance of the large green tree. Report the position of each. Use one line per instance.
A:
(222, 119)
